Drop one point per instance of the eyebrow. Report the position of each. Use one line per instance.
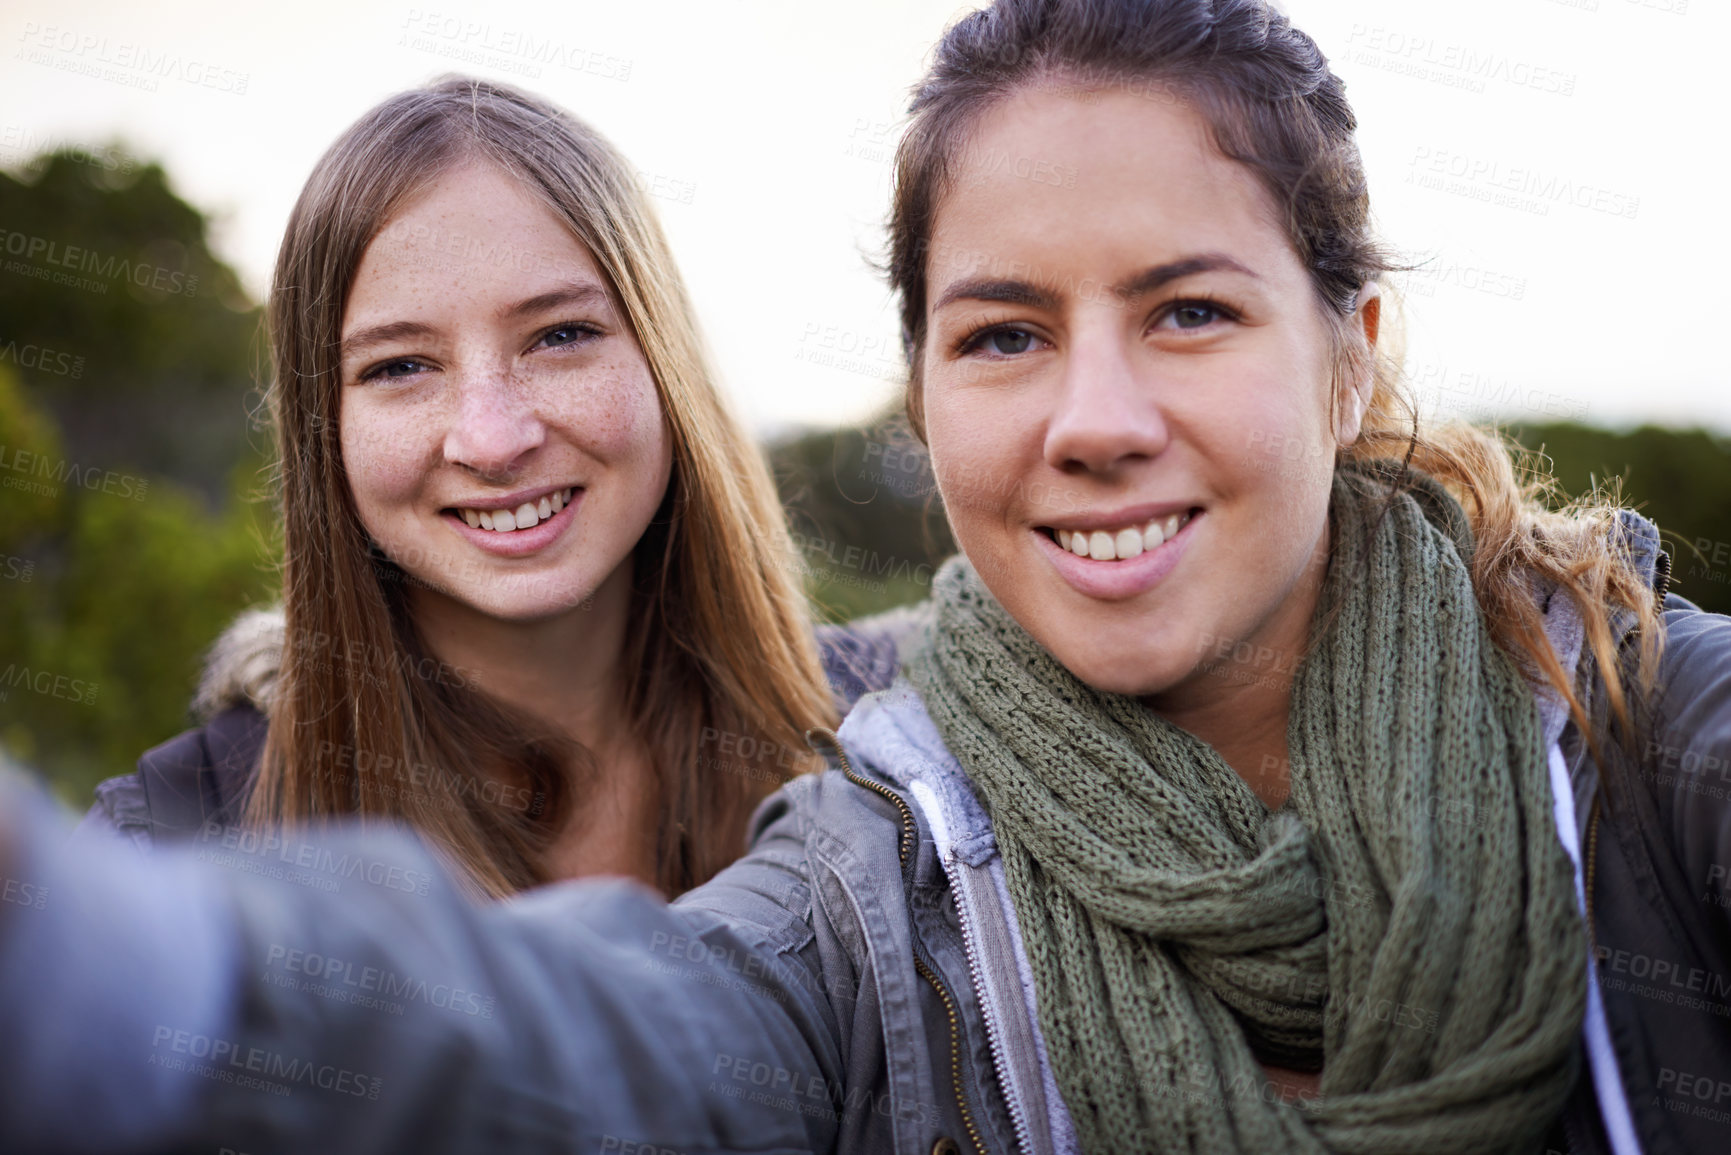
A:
(365, 339)
(577, 293)
(1018, 292)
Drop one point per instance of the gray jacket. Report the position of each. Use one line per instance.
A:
(856, 983)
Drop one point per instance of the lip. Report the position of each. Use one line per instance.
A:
(1137, 515)
(1117, 580)
(513, 500)
(520, 542)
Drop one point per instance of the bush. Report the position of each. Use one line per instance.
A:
(128, 581)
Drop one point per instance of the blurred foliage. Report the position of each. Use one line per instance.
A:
(131, 531)
(111, 588)
(1679, 478)
(867, 527)
(152, 377)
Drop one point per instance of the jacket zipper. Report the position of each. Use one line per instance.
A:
(1018, 1110)
(909, 833)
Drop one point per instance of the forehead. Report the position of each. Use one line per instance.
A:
(1057, 179)
(475, 230)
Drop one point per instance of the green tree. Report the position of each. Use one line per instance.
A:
(119, 318)
(1679, 478)
(863, 508)
(114, 585)
(128, 531)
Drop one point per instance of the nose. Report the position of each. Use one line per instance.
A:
(1108, 414)
(495, 424)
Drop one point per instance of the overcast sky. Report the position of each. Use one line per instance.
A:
(1560, 164)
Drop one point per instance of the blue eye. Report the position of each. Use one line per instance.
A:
(567, 334)
(403, 367)
(1194, 315)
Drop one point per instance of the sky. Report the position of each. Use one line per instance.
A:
(1555, 168)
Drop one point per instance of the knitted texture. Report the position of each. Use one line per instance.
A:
(1406, 921)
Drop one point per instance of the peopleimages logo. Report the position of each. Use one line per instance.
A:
(123, 62)
(226, 1059)
(42, 359)
(54, 256)
(33, 465)
(1513, 186)
(370, 980)
(48, 684)
(253, 851)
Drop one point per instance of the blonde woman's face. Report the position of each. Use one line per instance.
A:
(501, 431)
(1127, 391)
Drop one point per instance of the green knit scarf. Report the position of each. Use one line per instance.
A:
(1406, 922)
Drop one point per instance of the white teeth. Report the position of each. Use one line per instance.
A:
(1126, 543)
(528, 514)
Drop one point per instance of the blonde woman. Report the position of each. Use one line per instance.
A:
(536, 594)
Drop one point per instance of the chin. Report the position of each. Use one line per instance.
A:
(1118, 670)
(529, 612)
(499, 601)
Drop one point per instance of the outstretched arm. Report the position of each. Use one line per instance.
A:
(340, 995)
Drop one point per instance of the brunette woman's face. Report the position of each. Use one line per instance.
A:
(501, 431)
(1127, 391)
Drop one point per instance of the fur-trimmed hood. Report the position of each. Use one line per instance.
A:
(243, 665)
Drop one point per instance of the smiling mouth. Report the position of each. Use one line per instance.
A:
(525, 516)
(1120, 543)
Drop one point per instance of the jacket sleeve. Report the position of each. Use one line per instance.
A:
(341, 995)
(1690, 750)
(120, 809)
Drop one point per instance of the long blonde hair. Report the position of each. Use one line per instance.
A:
(719, 642)
(1267, 94)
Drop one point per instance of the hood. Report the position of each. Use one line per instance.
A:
(242, 666)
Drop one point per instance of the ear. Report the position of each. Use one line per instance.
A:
(1362, 329)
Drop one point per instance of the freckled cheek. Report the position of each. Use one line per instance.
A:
(616, 416)
(383, 465)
